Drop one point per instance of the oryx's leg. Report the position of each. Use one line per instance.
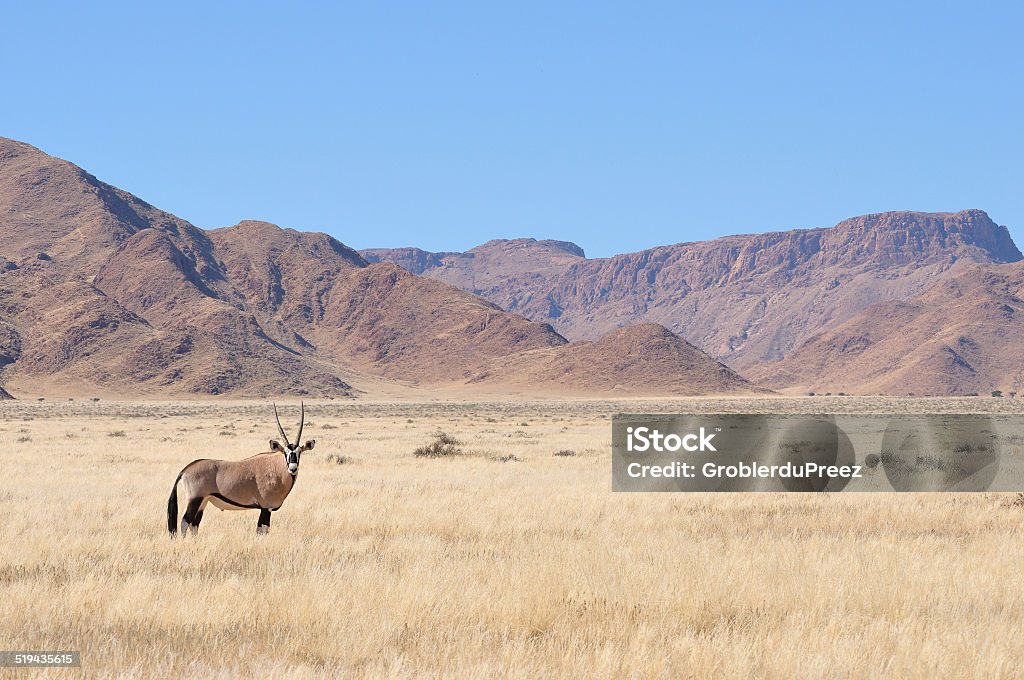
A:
(193, 514)
(263, 526)
(199, 515)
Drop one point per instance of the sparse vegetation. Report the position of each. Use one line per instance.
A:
(378, 562)
(565, 452)
(117, 433)
(443, 445)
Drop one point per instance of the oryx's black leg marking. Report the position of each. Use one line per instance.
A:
(192, 515)
(192, 511)
(263, 526)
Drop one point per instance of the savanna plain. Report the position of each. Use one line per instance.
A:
(508, 557)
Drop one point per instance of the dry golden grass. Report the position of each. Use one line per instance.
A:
(393, 565)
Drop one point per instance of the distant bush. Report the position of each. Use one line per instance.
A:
(117, 433)
(507, 458)
(565, 452)
(338, 459)
(997, 393)
(443, 445)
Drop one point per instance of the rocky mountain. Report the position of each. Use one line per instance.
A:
(643, 359)
(961, 336)
(102, 292)
(742, 299)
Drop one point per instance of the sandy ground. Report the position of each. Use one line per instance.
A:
(505, 561)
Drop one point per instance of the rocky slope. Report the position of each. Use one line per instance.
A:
(960, 336)
(100, 291)
(742, 299)
(644, 359)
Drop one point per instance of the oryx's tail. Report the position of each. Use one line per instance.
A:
(172, 508)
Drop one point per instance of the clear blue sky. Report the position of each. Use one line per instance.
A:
(444, 124)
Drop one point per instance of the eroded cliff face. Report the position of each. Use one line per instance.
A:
(743, 299)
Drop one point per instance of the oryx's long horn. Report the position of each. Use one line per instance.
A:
(281, 429)
(302, 422)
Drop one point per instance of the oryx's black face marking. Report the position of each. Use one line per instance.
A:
(292, 454)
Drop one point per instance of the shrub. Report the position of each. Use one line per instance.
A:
(997, 393)
(443, 445)
(117, 433)
(565, 452)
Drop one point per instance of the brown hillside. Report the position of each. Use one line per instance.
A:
(743, 299)
(960, 336)
(100, 291)
(641, 359)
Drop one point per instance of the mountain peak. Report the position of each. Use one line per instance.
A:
(922, 234)
(528, 245)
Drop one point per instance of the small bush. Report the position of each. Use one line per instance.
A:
(117, 433)
(565, 452)
(443, 445)
(24, 438)
(507, 458)
(226, 433)
(337, 459)
(997, 393)
(328, 426)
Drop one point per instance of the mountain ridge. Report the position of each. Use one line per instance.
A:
(99, 290)
(743, 299)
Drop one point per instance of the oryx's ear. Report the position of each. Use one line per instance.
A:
(275, 446)
(309, 444)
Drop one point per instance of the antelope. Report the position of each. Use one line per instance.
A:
(259, 482)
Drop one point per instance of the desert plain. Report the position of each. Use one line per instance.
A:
(503, 560)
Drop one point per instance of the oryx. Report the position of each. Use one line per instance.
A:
(260, 482)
